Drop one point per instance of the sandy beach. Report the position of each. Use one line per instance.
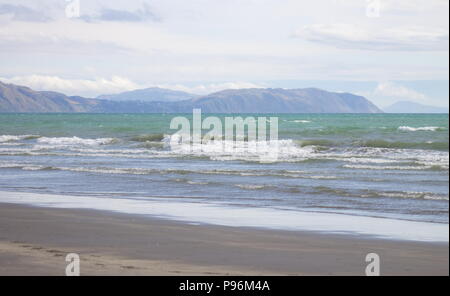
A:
(35, 241)
(236, 141)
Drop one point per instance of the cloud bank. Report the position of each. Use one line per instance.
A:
(22, 13)
(85, 87)
(350, 36)
(113, 85)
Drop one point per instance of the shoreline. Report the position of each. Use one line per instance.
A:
(241, 217)
(35, 240)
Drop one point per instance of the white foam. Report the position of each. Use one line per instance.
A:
(436, 197)
(70, 141)
(10, 165)
(415, 129)
(415, 195)
(10, 138)
(288, 151)
(322, 177)
(380, 155)
(142, 171)
(300, 121)
(250, 186)
(10, 144)
(278, 151)
(243, 216)
(222, 150)
(366, 160)
(395, 168)
(197, 183)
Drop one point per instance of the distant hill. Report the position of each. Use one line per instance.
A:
(308, 100)
(15, 98)
(412, 107)
(153, 94)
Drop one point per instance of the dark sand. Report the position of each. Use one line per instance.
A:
(35, 241)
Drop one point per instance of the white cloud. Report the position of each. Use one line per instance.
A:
(116, 84)
(412, 5)
(22, 13)
(211, 40)
(142, 14)
(409, 6)
(54, 44)
(393, 90)
(352, 36)
(204, 89)
(84, 87)
(387, 93)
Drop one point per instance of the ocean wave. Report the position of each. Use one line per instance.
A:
(299, 121)
(222, 150)
(434, 159)
(151, 145)
(421, 157)
(317, 142)
(285, 150)
(415, 129)
(405, 145)
(375, 143)
(30, 152)
(25, 167)
(323, 190)
(10, 165)
(322, 177)
(368, 193)
(37, 168)
(197, 182)
(174, 171)
(415, 195)
(11, 144)
(149, 138)
(105, 151)
(256, 173)
(361, 159)
(389, 168)
(288, 150)
(406, 195)
(252, 186)
(71, 141)
(12, 138)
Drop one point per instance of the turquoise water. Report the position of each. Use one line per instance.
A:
(380, 165)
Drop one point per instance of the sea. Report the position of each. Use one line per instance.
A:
(384, 175)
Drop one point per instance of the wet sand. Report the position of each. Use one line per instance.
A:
(35, 241)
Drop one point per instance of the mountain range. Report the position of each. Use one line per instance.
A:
(153, 94)
(14, 98)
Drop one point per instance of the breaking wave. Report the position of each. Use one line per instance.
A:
(299, 121)
(11, 138)
(415, 129)
(148, 138)
(363, 155)
(406, 145)
(69, 141)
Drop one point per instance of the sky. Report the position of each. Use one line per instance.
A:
(385, 50)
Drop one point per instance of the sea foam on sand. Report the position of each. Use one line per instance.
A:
(242, 216)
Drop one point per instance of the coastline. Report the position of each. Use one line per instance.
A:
(243, 217)
(34, 241)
